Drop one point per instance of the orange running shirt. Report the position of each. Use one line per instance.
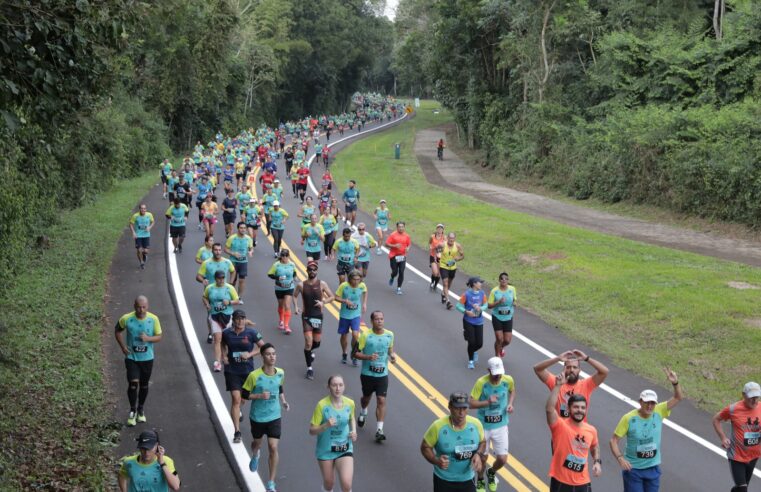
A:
(746, 431)
(570, 456)
(583, 387)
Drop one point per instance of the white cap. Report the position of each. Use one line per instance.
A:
(276, 203)
(649, 396)
(752, 389)
(495, 366)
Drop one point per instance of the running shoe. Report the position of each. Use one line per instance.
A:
(443, 299)
(471, 365)
(491, 480)
(310, 374)
(142, 266)
(141, 417)
(254, 463)
(475, 356)
(502, 353)
(275, 255)
(281, 326)
(343, 359)
(287, 330)
(379, 435)
(209, 339)
(131, 419)
(217, 366)
(354, 362)
(240, 416)
(391, 282)
(449, 305)
(480, 486)
(270, 487)
(237, 437)
(398, 291)
(361, 420)
(379, 252)
(179, 249)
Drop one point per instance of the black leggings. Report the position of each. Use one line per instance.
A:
(741, 474)
(277, 238)
(397, 268)
(330, 239)
(556, 486)
(474, 335)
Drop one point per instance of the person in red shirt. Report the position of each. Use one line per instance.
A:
(301, 183)
(266, 180)
(743, 448)
(572, 385)
(399, 243)
(573, 439)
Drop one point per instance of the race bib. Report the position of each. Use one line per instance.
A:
(139, 349)
(493, 419)
(504, 311)
(646, 451)
(312, 243)
(400, 258)
(339, 446)
(450, 263)
(315, 323)
(237, 357)
(751, 438)
(377, 369)
(219, 306)
(346, 258)
(465, 451)
(575, 463)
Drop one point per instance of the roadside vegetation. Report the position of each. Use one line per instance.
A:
(644, 306)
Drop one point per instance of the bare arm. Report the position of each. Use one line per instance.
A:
(717, 420)
(602, 371)
(549, 407)
(622, 461)
(540, 369)
(678, 395)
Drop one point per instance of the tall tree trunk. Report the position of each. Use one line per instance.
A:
(545, 61)
(718, 18)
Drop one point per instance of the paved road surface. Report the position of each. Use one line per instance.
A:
(429, 342)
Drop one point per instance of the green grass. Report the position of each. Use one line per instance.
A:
(645, 306)
(56, 428)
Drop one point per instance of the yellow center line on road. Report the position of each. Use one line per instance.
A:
(433, 397)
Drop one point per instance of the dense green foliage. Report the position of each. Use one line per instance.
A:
(95, 92)
(639, 100)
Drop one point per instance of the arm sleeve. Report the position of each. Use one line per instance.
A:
(461, 304)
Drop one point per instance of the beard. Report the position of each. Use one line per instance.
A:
(572, 378)
(578, 417)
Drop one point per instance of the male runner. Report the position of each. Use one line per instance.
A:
(375, 349)
(217, 262)
(346, 250)
(264, 387)
(572, 441)
(351, 202)
(493, 396)
(451, 253)
(743, 448)
(240, 247)
(366, 242)
(352, 296)
(143, 330)
(315, 294)
(141, 224)
(177, 215)
(219, 299)
(312, 237)
(572, 385)
(399, 243)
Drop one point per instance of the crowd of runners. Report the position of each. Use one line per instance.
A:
(238, 179)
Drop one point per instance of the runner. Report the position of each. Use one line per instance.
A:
(141, 224)
(440, 149)
(324, 199)
(571, 360)
(327, 180)
(253, 217)
(743, 448)
(183, 190)
(211, 265)
(283, 272)
(502, 304)
(306, 211)
(399, 243)
(329, 221)
(204, 189)
(302, 181)
(472, 304)
(209, 210)
(351, 202)
(243, 197)
(493, 396)
(347, 250)
(572, 440)
(288, 156)
(149, 468)
(375, 349)
(276, 225)
(642, 429)
(333, 424)
(264, 387)
(454, 446)
(312, 237)
(171, 182)
(143, 330)
(165, 169)
(239, 346)
(229, 207)
(267, 200)
(366, 243)
(219, 299)
(382, 216)
(451, 253)
(240, 247)
(352, 296)
(177, 215)
(315, 294)
(205, 252)
(435, 246)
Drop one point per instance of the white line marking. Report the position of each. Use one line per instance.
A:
(611, 391)
(253, 481)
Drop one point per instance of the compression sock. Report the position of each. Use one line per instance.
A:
(280, 314)
(287, 316)
(308, 357)
(132, 396)
(315, 345)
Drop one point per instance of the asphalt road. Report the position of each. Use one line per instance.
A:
(433, 364)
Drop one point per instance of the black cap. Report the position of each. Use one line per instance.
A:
(147, 439)
(459, 399)
(239, 313)
(219, 274)
(473, 280)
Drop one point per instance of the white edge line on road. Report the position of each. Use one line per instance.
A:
(611, 391)
(252, 480)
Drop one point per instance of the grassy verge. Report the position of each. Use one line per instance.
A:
(645, 306)
(56, 429)
(476, 158)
